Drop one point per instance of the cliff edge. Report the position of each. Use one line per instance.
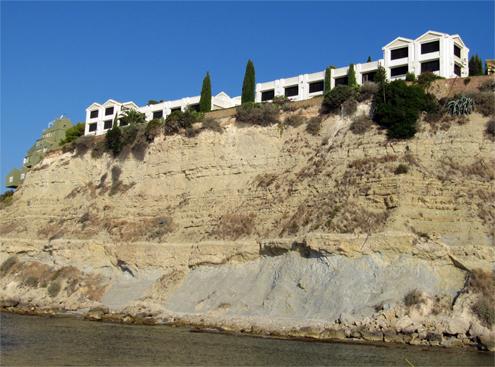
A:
(265, 230)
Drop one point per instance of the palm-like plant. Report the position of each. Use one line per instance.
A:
(461, 106)
(131, 116)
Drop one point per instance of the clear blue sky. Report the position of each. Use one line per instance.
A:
(59, 57)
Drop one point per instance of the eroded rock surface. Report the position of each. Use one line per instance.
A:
(263, 231)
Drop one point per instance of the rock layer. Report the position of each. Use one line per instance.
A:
(263, 230)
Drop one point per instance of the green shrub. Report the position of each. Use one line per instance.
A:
(490, 127)
(8, 264)
(280, 100)
(484, 309)
(460, 106)
(487, 86)
(249, 84)
(367, 91)
(129, 134)
(360, 124)
(153, 101)
(153, 129)
(179, 120)
(401, 169)
(212, 124)
(294, 120)
(484, 103)
(410, 77)
(263, 114)
(114, 140)
(425, 79)
(396, 107)
(53, 289)
(314, 125)
(414, 297)
(72, 133)
(334, 99)
(130, 116)
(283, 102)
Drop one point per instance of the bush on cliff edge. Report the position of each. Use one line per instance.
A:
(397, 106)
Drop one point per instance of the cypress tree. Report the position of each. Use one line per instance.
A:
(327, 84)
(369, 59)
(249, 84)
(475, 66)
(380, 76)
(351, 77)
(205, 100)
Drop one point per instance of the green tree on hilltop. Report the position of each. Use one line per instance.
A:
(249, 84)
(327, 84)
(351, 77)
(475, 66)
(205, 100)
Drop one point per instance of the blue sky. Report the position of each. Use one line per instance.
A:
(59, 57)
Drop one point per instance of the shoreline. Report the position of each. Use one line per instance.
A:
(305, 334)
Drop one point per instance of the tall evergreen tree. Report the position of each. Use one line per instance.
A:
(351, 77)
(249, 84)
(380, 76)
(369, 59)
(327, 84)
(475, 66)
(205, 100)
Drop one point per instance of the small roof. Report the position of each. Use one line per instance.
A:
(111, 102)
(130, 103)
(434, 33)
(459, 39)
(222, 94)
(397, 40)
(93, 105)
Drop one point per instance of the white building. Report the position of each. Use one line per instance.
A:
(443, 54)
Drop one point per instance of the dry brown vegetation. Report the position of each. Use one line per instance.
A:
(483, 283)
(233, 226)
(360, 125)
(479, 169)
(413, 298)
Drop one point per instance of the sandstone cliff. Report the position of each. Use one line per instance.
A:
(264, 230)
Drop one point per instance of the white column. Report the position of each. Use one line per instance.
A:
(303, 87)
(359, 75)
(258, 93)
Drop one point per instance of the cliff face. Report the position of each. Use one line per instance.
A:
(261, 225)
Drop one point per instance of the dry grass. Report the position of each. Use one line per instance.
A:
(360, 125)
(479, 169)
(7, 265)
(265, 180)
(232, 226)
(294, 120)
(314, 125)
(413, 298)
(483, 283)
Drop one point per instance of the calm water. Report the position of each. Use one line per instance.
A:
(30, 340)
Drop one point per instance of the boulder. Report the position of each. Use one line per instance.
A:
(457, 326)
